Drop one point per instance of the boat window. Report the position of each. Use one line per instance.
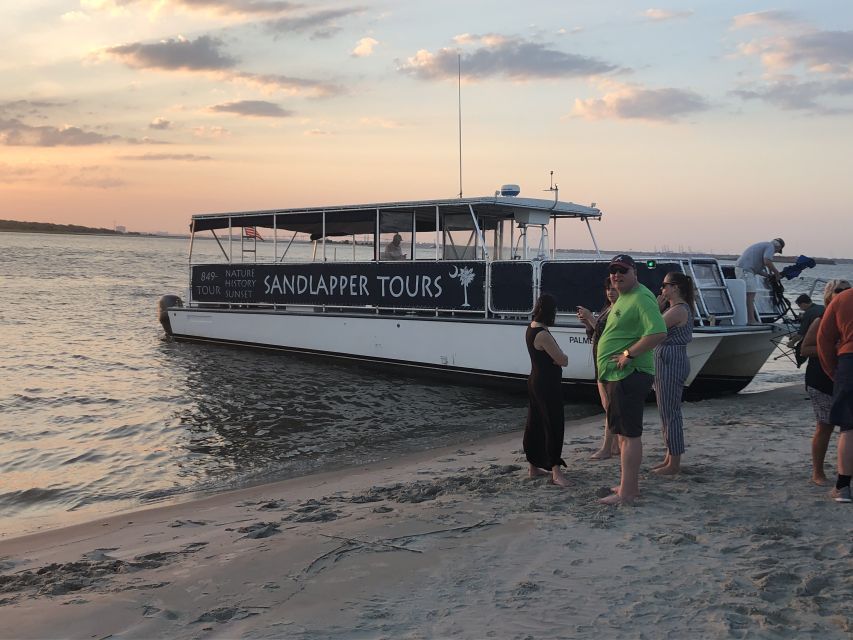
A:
(460, 237)
(425, 236)
(395, 235)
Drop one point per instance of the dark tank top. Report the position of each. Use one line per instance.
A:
(816, 378)
(542, 367)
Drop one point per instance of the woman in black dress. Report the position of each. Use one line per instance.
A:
(543, 434)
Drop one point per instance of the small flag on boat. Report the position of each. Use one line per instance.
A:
(252, 232)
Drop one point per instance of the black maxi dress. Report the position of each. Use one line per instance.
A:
(543, 433)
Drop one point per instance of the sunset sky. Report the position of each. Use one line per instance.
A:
(705, 125)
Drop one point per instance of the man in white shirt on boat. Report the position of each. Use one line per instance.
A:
(755, 261)
(393, 250)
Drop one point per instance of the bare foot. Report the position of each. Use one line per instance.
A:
(558, 478)
(667, 470)
(535, 472)
(660, 465)
(601, 454)
(614, 489)
(615, 500)
(819, 480)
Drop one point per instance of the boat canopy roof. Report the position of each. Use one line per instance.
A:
(343, 220)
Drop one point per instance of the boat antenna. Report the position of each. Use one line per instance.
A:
(459, 111)
(553, 187)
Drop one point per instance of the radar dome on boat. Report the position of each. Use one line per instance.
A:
(510, 190)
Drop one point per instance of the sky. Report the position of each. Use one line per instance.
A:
(699, 126)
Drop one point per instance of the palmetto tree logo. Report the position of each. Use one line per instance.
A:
(466, 277)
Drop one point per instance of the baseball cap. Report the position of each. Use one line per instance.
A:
(780, 242)
(623, 260)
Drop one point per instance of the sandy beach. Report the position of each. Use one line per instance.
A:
(459, 543)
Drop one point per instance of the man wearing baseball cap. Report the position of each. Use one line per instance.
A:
(757, 260)
(626, 366)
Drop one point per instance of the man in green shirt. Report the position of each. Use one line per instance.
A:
(626, 365)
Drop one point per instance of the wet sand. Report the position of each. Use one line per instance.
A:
(459, 543)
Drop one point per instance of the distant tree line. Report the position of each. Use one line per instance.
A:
(50, 227)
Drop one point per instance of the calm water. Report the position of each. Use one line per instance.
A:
(100, 412)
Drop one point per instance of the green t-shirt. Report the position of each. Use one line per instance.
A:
(634, 314)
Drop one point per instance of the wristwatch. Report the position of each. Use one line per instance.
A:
(627, 354)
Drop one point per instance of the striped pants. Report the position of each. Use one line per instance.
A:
(671, 370)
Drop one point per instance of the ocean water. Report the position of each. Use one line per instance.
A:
(100, 412)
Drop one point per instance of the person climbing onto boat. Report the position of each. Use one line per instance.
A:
(543, 433)
(594, 328)
(672, 366)
(755, 261)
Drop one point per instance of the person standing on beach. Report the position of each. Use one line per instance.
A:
(672, 366)
(543, 433)
(626, 366)
(819, 386)
(594, 328)
(757, 260)
(835, 350)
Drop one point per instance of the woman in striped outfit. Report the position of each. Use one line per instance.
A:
(672, 366)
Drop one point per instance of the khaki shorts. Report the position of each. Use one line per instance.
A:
(749, 277)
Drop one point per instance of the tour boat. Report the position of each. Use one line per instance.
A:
(452, 296)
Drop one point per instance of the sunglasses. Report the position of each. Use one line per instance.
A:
(616, 269)
(667, 284)
(840, 289)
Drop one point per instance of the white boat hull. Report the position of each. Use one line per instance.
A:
(486, 348)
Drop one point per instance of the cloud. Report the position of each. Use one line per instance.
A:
(771, 18)
(221, 7)
(661, 15)
(159, 123)
(202, 54)
(214, 133)
(317, 132)
(190, 157)
(32, 108)
(364, 47)
(56, 174)
(502, 56)
(321, 24)
(15, 133)
(803, 67)
(789, 94)
(96, 178)
(12, 173)
(253, 109)
(287, 84)
(631, 102)
(205, 55)
(240, 7)
(818, 51)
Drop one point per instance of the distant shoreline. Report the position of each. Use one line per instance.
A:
(16, 226)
